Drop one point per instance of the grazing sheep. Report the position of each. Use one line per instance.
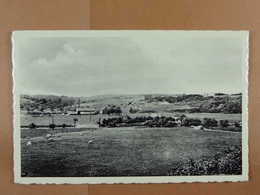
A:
(50, 139)
(29, 143)
(90, 142)
(48, 136)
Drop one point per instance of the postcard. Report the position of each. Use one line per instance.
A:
(130, 106)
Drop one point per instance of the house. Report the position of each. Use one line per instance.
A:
(86, 111)
(72, 113)
(179, 117)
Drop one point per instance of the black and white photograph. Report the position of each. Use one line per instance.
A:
(130, 106)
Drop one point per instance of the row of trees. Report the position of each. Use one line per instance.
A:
(162, 122)
(138, 121)
(207, 122)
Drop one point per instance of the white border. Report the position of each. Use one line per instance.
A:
(18, 35)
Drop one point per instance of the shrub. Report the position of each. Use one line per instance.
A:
(224, 123)
(112, 110)
(190, 122)
(169, 119)
(171, 124)
(231, 164)
(210, 122)
(52, 126)
(237, 124)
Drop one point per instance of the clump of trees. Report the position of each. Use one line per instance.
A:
(190, 122)
(163, 121)
(209, 122)
(224, 123)
(111, 110)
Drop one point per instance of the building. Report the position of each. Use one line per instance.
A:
(86, 111)
(179, 117)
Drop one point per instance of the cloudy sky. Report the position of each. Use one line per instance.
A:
(88, 66)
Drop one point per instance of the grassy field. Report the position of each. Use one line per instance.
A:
(118, 151)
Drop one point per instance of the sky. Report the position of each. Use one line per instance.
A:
(89, 66)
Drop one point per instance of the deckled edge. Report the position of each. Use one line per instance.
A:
(245, 136)
(14, 103)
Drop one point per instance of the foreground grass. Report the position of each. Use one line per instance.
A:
(119, 151)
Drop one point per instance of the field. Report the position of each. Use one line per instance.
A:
(121, 151)
(128, 151)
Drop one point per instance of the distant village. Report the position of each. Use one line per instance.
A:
(192, 103)
(79, 111)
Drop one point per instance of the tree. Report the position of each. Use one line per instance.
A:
(32, 126)
(75, 120)
(224, 123)
(190, 121)
(210, 122)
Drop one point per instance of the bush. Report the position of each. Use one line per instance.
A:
(224, 123)
(112, 110)
(52, 126)
(231, 164)
(169, 119)
(190, 122)
(171, 124)
(210, 122)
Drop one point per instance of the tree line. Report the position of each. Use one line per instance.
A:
(165, 122)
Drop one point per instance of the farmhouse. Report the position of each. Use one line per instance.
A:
(86, 111)
(179, 117)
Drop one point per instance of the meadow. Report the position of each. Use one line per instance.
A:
(128, 151)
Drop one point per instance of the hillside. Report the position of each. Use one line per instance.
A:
(149, 103)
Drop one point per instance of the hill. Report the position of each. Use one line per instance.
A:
(140, 103)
